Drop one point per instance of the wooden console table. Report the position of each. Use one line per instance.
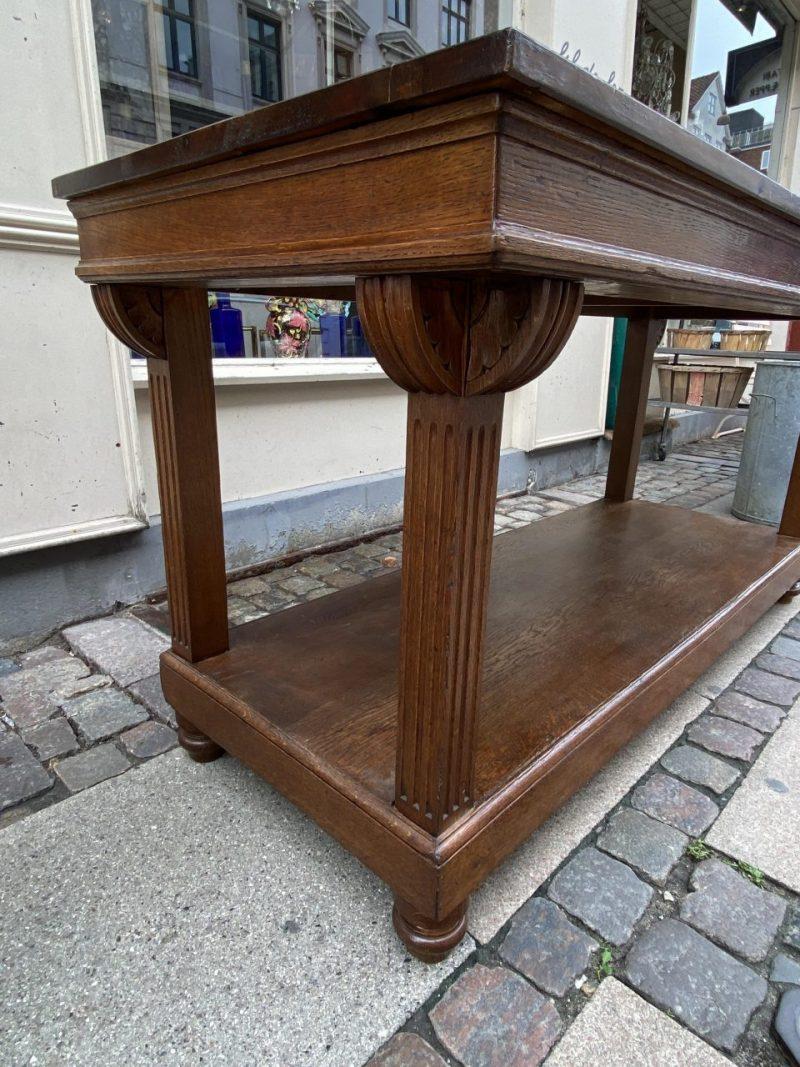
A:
(478, 201)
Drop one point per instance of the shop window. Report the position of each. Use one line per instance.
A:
(264, 44)
(400, 11)
(180, 49)
(167, 67)
(455, 21)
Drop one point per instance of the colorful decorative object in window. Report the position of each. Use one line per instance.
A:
(289, 323)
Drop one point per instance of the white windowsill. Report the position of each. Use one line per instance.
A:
(274, 371)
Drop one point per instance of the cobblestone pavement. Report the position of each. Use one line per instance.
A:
(711, 944)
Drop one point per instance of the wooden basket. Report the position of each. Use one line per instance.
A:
(731, 340)
(710, 386)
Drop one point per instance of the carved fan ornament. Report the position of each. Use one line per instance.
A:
(134, 314)
(466, 337)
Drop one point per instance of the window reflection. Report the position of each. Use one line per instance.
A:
(167, 67)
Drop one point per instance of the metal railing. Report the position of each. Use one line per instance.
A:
(752, 138)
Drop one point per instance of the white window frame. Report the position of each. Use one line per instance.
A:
(279, 371)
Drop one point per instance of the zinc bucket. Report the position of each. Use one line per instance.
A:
(769, 444)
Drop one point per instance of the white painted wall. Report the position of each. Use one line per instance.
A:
(68, 466)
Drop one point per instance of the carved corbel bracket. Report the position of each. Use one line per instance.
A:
(466, 337)
(135, 315)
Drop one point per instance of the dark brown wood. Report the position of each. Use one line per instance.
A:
(506, 61)
(453, 447)
(473, 205)
(430, 940)
(185, 435)
(455, 345)
(200, 747)
(171, 327)
(643, 336)
(502, 180)
(561, 694)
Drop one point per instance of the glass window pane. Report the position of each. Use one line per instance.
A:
(241, 54)
(186, 63)
(269, 33)
(169, 58)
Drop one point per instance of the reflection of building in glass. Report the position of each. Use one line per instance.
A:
(707, 116)
(168, 66)
(751, 140)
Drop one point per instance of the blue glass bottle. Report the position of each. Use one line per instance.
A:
(333, 336)
(227, 334)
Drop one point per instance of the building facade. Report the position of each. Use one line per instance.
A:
(311, 450)
(707, 117)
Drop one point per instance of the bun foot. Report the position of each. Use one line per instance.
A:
(199, 747)
(790, 593)
(430, 940)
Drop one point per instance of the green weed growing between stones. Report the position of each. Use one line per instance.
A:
(605, 965)
(698, 850)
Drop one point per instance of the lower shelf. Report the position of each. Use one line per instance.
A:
(597, 619)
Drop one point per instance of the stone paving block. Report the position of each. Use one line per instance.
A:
(299, 584)
(726, 737)
(785, 969)
(565, 496)
(149, 692)
(749, 711)
(406, 1050)
(791, 934)
(618, 1028)
(78, 686)
(46, 654)
(21, 775)
(603, 893)
(702, 985)
(53, 738)
(100, 715)
(701, 768)
(491, 1017)
(247, 587)
(792, 629)
(241, 611)
(546, 947)
(88, 768)
(769, 687)
(32, 695)
(786, 646)
(732, 911)
(649, 846)
(370, 549)
(317, 566)
(789, 668)
(787, 1022)
(121, 646)
(149, 739)
(761, 821)
(673, 802)
(343, 579)
(274, 600)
